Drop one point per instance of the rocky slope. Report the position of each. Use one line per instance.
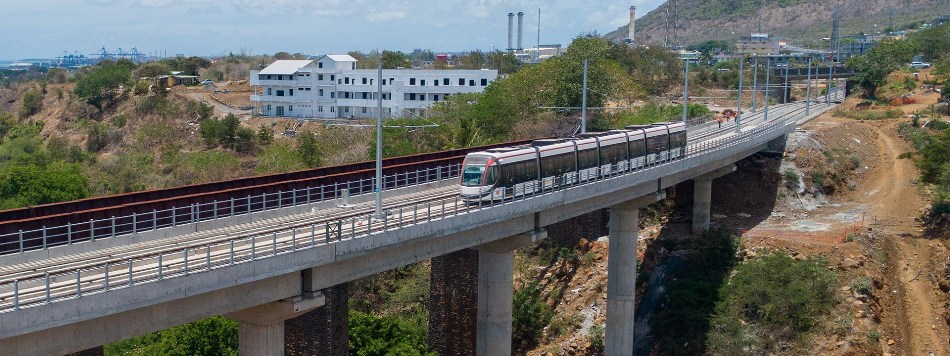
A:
(799, 20)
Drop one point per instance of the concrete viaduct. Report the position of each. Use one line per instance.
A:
(277, 270)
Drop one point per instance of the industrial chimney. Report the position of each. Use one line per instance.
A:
(632, 29)
(511, 23)
(520, 29)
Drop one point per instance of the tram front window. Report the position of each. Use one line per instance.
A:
(472, 175)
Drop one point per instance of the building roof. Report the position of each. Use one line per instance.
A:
(286, 66)
(341, 58)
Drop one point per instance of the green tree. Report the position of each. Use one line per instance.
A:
(151, 70)
(934, 42)
(99, 87)
(265, 135)
(278, 158)
(529, 317)
(504, 62)
(32, 103)
(7, 122)
(187, 65)
(24, 185)
(395, 59)
(879, 62)
(308, 149)
(473, 60)
(386, 335)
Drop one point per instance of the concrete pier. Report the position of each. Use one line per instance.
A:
(702, 198)
(622, 274)
(496, 262)
(261, 328)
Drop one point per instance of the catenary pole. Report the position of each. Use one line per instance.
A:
(755, 82)
(379, 140)
(685, 91)
(739, 103)
(584, 101)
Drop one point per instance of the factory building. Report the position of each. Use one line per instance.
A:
(331, 87)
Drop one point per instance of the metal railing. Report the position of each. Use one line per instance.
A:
(96, 229)
(69, 281)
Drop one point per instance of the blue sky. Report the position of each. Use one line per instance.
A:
(46, 28)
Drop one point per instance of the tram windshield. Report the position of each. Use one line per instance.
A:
(473, 170)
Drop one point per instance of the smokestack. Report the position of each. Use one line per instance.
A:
(632, 29)
(511, 23)
(520, 29)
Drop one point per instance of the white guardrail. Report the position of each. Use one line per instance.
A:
(65, 282)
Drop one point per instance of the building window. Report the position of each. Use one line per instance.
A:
(307, 89)
(320, 108)
(445, 81)
(461, 81)
(280, 77)
(471, 83)
(364, 80)
(332, 109)
(319, 76)
(268, 108)
(412, 81)
(484, 81)
(346, 95)
(412, 96)
(422, 97)
(280, 93)
(435, 97)
(269, 91)
(319, 64)
(384, 81)
(291, 92)
(364, 109)
(422, 82)
(290, 108)
(332, 94)
(268, 77)
(332, 76)
(364, 95)
(321, 92)
(300, 89)
(346, 80)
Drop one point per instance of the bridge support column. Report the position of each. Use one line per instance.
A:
(496, 292)
(622, 274)
(261, 328)
(702, 198)
(453, 300)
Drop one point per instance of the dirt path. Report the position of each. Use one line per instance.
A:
(893, 202)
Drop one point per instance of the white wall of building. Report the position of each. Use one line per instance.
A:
(332, 87)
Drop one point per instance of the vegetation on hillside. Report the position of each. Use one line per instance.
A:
(889, 55)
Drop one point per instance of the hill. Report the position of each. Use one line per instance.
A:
(804, 21)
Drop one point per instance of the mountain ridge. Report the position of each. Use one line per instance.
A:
(803, 21)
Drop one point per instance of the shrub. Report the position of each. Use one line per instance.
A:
(386, 335)
(530, 316)
(32, 103)
(98, 137)
(791, 179)
(774, 297)
(861, 285)
(596, 336)
(818, 178)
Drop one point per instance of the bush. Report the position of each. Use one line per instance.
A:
(209, 337)
(773, 299)
(791, 179)
(818, 178)
(23, 185)
(32, 103)
(530, 317)
(98, 137)
(386, 335)
(861, 285)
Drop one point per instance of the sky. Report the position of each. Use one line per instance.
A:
(48, 28)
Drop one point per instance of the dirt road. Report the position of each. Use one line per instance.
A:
(894, 201)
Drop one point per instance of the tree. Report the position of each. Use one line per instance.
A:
(24, 185)
(387, 335)
(99, 87)
(32, 103)
(879, 62)
(308, 150)
(504, 62)
(395, 59)
(187, 65)
(151, 70)
(934, 42)
(473, 60)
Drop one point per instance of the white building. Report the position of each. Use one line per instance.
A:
(332, 87)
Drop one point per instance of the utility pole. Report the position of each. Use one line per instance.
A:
(755, 81)
(379, 141)
(785, 96)
(808, 90)
(584, 101)
(828, 86)
(739, 103)
(685, 92)
(768, 68)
